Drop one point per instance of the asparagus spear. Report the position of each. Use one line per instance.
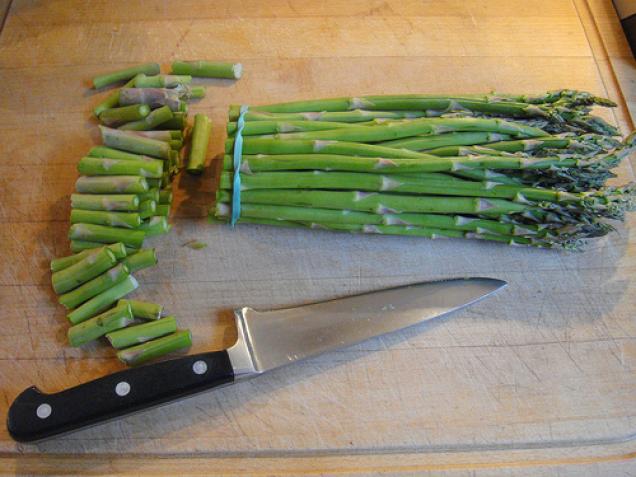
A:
(94, 287)
(147, 209)
(257, 128)
(101, 166)
(102, 301)
(57, 264)
(133, 335)
(104, 234)
(156, 225)
(128, 220)
(153, 349)
(161, 81)
(200, 138)
(133, 143)
(111, 184)
(108, 202)
(431, 141)
(165, 196)
(143, 309)
(143, 259)
(208, 69)
(80, 272)
(124, 114)
(125, 74)
(150, 194)
(165, 135)
(355, 116)
(98, 326)
(110, 153)
(179, 121)
(154, 119)
(163, 210)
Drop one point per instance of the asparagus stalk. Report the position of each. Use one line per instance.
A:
(102, 166)
(257, 128)
(200, 138)
(422, 143)
(110, 153)
(165, 135)
(57, 264)
(102, 301)
(104, 234)
(153, 97)
(151, 121)
(161, 81)
(208, 69)
(98, 326)
(179, 121)
(147, 209)
(153, 349)
(111, 101)
(165, 196)
(133, 143)
(80, 272)
(78, 246)
(150, 194)
(355, 116)
(143, 309)
(163, 210)
(111, 184)
(128, 220)
(124, 114)
(156, 225)
(145, 258)
(379, 202)
(125, 74)
(134, 335)
(95, 286)
(107, 202)
(155, 183)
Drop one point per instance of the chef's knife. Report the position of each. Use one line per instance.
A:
(266, 340)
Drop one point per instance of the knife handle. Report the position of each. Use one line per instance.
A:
(35, 415)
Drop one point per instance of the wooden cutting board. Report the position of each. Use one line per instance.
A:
(539, 379)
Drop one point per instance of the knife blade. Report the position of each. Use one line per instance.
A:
(266, 340)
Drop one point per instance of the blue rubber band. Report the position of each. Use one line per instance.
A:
(238, 153)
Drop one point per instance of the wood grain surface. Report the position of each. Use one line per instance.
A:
(538, 380)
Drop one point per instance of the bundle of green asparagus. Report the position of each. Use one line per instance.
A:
(518, 169)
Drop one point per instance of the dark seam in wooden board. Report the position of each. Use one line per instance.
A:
(5, 15)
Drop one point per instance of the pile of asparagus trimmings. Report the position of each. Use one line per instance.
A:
(124, 196)
(524, 170)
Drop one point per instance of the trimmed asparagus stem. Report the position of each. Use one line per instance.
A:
(156, 225)
(161, 81)
(57, 264)
(143, 309)
(111, 101)
(145, 258)
(124, 114)
(208, 69)
(165, 196)
(104, 234)
(155, 183)
(128, 220)
(155, 348)
(111, 184)
(107, 202)
(102, 301)
(114, 319)
(125, 74)
(166, 135)
(150, 194)
(134, 335)
(103, 166)
(257, 128)
(176, 144)
(378, 202)
(95, 286)
(133, 143)
(84, 270)
(163, 210)
(110, 153)
(154, 119)
(179, 121)
(147, 209)
(78, 246)
(200, 137)
(153, 97)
